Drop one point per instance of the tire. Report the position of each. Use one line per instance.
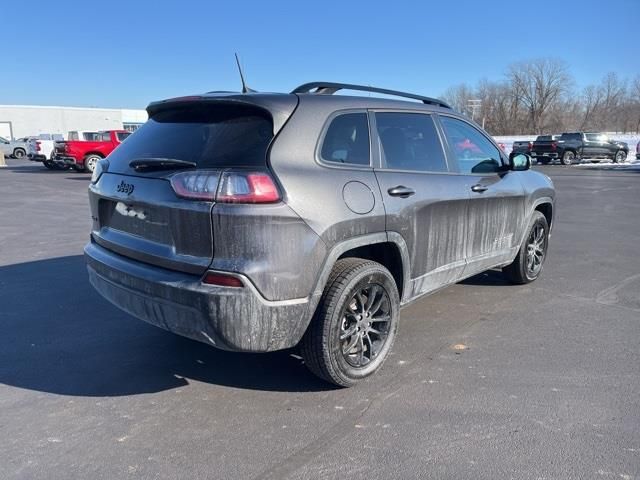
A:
(90, 162)
(355, 286)
(19, 153)
(620, 156)
(568, 157)
(49, 164)
(528, 264)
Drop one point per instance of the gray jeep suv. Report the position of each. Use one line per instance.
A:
(258, 222)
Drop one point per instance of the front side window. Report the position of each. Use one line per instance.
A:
(347, 140)
(473, 151)
(409, 141)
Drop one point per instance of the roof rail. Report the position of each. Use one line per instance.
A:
(329, 88)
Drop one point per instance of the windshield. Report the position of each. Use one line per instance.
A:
(209, 135)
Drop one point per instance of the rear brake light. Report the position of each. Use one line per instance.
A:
(554, 145)
(38, 147)
(221, 280)
(230, 187)
(530, 146)
(254, 187)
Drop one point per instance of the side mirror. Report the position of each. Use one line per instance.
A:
(520, 162)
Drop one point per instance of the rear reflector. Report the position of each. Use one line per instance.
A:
(221, 280)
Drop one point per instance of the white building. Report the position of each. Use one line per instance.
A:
(18, 121)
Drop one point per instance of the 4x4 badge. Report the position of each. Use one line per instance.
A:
(125, 188)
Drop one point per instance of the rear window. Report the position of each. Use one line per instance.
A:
(571, 136)
(347, 140)
(210, 135)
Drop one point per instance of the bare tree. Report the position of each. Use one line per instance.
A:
(538, 85)
(591, 104)
(538, 97)
(458, 97)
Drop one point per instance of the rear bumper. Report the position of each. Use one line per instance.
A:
(36, 157)
(544, 155)
(238, 319)
(63, 160)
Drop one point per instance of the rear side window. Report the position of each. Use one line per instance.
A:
(409, 141)
(571, 136)
(473, 151)
(213, 135)
(347, 140)
(122, 135)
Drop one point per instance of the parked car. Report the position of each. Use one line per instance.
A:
(258, 222)
(571, 147)
(521, 147)
(83, 155)
(41, 148)
(13, 148)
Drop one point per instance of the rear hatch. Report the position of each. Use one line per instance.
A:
(135, 208)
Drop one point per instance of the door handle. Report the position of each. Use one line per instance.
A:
(401, 191)
(479, 188)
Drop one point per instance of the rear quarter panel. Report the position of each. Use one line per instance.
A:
(538, 189)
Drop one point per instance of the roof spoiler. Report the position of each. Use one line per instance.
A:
(329, 88)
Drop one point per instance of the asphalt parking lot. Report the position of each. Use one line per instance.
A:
(548, 385)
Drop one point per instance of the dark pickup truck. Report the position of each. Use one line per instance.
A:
(571, 147)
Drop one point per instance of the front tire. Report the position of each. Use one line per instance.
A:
(355, 324)
(19, 153)
(620, 157)
(528, 264)
(568, 157)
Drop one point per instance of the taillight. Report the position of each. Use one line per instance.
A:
(230, 187)
(554, 145)
(254, 187)
(38, 147)
(196, 185)
(530, 146)
(221, 280)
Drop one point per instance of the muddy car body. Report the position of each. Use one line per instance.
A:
(258, 222)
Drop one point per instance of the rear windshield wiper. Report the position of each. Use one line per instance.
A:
(143, 164)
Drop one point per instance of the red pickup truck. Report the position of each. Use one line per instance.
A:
(83, 155)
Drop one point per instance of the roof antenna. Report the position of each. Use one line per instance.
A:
(245, 89)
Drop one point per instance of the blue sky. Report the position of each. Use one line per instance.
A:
(126, 54)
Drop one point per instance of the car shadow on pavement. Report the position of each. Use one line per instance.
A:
(490, 278)
(60, 336)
